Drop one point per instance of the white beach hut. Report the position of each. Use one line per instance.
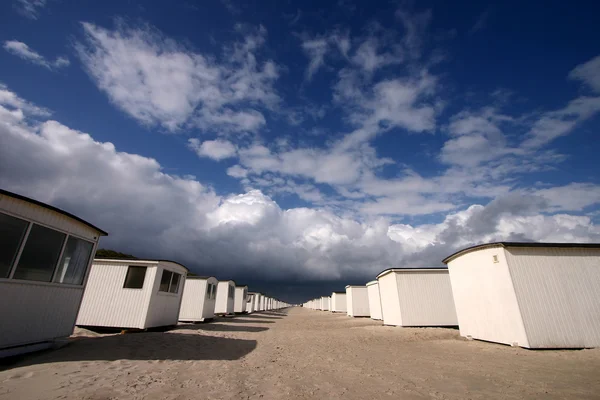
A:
(135, 294)
(240, 299)
(199, 297)
(416, 297)
(225, 297)
(338, 302)
(374, 300)
(533, 295)
(325, 303)
(357, 301)
(45, 255)
(250, 303)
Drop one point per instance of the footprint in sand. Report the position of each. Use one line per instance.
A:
(23, 375)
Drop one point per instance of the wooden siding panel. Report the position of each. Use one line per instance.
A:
(32, 313)
(484, 296)
(426, 298)
(558, 294)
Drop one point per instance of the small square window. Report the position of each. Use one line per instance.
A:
(135, 277)
(495, 258)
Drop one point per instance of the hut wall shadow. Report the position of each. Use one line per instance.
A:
(216, 327)
(139, 346)
(245, 321)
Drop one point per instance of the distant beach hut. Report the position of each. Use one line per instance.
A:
(199, 297)
(374, 300)
(417, 297)
(225, 297)
(45, 254)
(532, 295)
(338, 302)
(134, 294)
(250, 303)
(357, 301)
(325, 303)
(240, 299)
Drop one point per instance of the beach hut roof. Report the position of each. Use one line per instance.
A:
(138, 261)
(519, 244)
(49, 207)
(390, 270)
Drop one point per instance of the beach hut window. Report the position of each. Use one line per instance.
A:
(213, 293)
(165, 281)
(40, 254)
(231, 292)
(135, 277)
(174, 283)
(74, 262)
(209, 291)
(12, 231)
(169, 282)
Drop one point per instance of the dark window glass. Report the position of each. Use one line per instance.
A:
(231, 292)
(135, 277)
(74, 262)
(208, 290)
(165, 281)
(12, 231)
(40, 254)
(174, 283)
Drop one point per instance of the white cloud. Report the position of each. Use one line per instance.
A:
(216, 149)
(160, 82)
(315, 50)
(30, 8)
(19, 105)
(369, 59)
(554, 124)
(25, 52)
(588, 73)
(237, 171)
(151, 213)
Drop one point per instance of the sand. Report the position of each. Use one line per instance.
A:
(302, 355)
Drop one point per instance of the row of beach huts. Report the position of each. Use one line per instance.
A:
(50, 282)
(532, 295)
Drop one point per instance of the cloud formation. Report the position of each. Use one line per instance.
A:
(29, 8)
(25, 52)
(160, 82)
(156, 214)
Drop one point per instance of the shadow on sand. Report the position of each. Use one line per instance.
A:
(244, 320)
(216, 327)
(139, 346)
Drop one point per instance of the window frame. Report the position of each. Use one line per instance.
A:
(168, 291)
(60, 254)
(31, 222)
(127, 274)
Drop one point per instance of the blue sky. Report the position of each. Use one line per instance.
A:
(301, 140)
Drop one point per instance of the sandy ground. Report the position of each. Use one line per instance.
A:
(302, 355)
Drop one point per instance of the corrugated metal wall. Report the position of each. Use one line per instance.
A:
(390, 303)
(195, 306)
(485, 300)
(374, 301)
(558, 291)
(425, 298)
(338, 302)
(224, 304)
(239, 305)
(37, 312)
(358, 301)
(107, 303)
